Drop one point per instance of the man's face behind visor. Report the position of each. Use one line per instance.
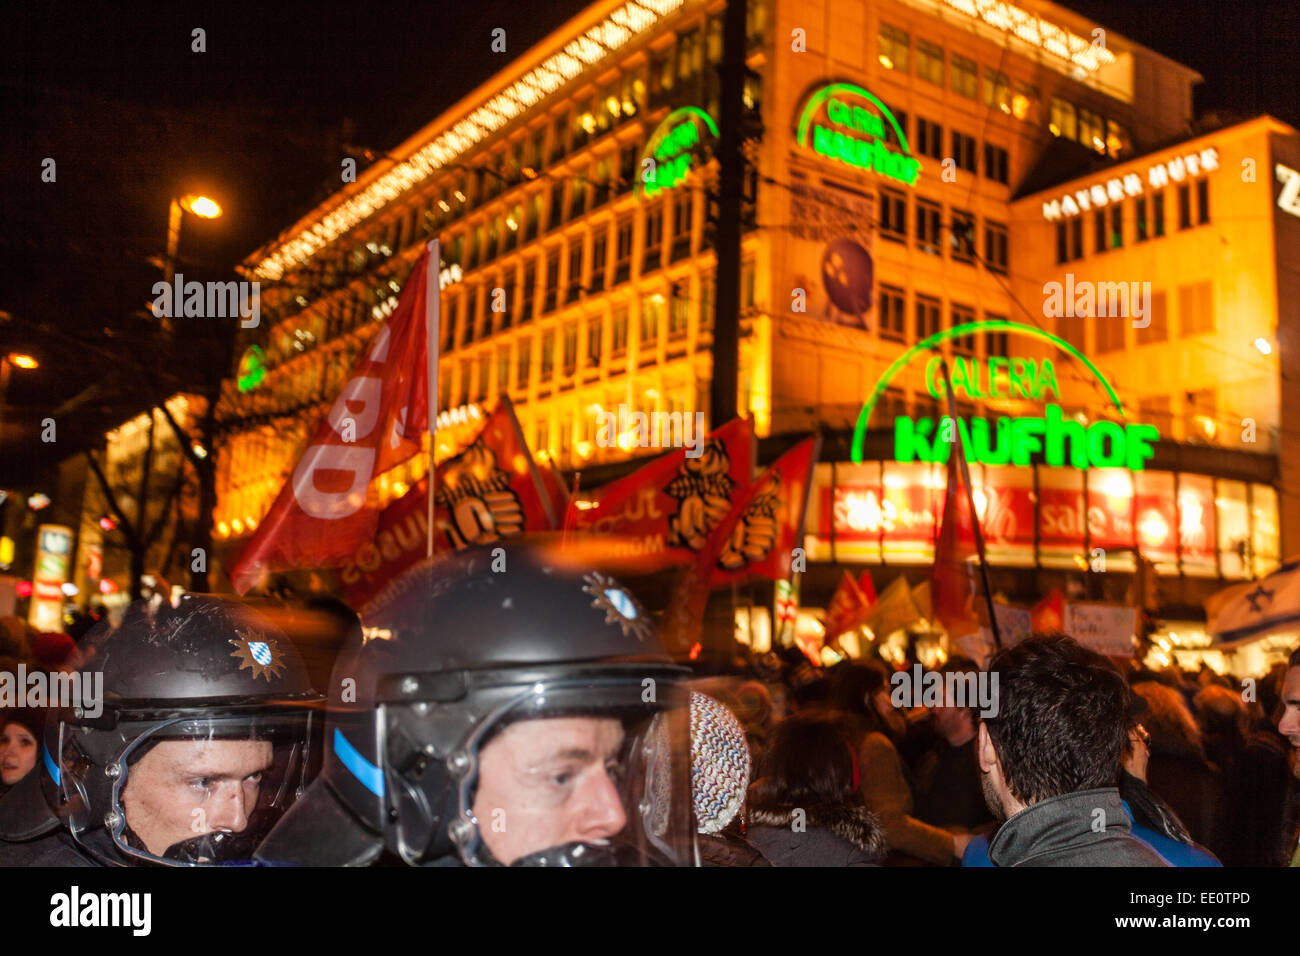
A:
(183, 789)
(547, 782)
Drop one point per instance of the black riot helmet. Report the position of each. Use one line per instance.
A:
(510, 644)
(193, 735)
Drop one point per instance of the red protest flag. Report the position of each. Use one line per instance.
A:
(665, 512)
(1048, 615)
(771, 527)
(848, 608)
(320, 516)
(952, 580)
(867, 586)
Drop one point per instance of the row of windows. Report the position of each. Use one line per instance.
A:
(1148, 221)
(571, 436)
(962, 237)
(928, 140)
(587, 264)
(926, 315)
(1022, 100)
(586, 345)
(1195, 304)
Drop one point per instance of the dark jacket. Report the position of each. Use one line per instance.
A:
(1255, 778)
(829, 835)
(1067, 831)
(729, 847)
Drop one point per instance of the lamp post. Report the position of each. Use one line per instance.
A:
(7, 363)
(201, 206)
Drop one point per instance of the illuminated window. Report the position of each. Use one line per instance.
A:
(679, 311)
(618, 332)
(623, 251)
(690, 55)
(965, 77)
(523, 362)
(1063, 120)
(1024, 103)
(449, 326)
(706, 303)
(552, 294)
(654, 237)
(929, 62)
(893, 214)
(1092, 130)
(508, 299)
(556, 207)
(1233, 522)
(533, 217)
(548, 357)
(583, 124)
(895, 45)
(995, 247)
(683, 213)
(559, 137)
(541, 439)
(1158, 328)
(996, 164)
(574, 285)
(602, 176)
(595, 328)
(466, 370)
(529, 302)
(577, 196)
(929, 217)
(927, 317)
(484, 370)
(570, 348)
(1196, 308)
(503, 368)
(963, 151)
(997, 90)
(599, 248)
(893, 305)
(628, 156)
(652, 316)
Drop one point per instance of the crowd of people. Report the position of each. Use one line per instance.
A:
(524, 712)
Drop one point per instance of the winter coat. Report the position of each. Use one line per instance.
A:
(888, 794)
(1062, 831)
(829, 835)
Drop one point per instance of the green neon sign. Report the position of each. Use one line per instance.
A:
(854, 132)
(675, 143)
(252, 369)
(1010, 440)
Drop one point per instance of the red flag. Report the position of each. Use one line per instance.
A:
(489, 492)
(848, 608)
(1048, 614)
(953, 576)
(867, 586)
(320, 516)
(665, 512)
(771, 527)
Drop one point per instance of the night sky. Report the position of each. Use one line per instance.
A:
(114, 94)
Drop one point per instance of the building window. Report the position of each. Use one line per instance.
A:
(995, 164)
(961, 237)
(595, 328)
(570, 348)
(602, 176)
(1158, 213)
(927, 317)
(1141, 226)
(627, 166)
(1063, 120)
(892, 136)
(523, 362)
(963, 151)
(996, 343)
(706, 303)
(1117, 226)
(449, 331)
(541, 440)
(547, 370)
(618, 332)
(484, 370)
(1110, 331)
(929, 138)
(509, 292)
(929, 62)
(599, 246)
(748, 275)
(893, 214)
(1072, 330)
(552, 294)
(892, 314)
(654, 238)
(1184, 207)
(679, 309)
(577, 196)
(575, 271)
(965, 77)
(557, 205)
(995, 246)
(584, 124)
(895, 45)
(1202, 411)
(1157, 329)
(503, 369)
(530, 291)
(652, 314)
(997, 91)
(623, 251)
(533, 217)
(1099, 230)
(1202, 201)
(929, 216)
(466, 370)
(1196, 308)
(1092, 130)
(963, 315)
(683, 212)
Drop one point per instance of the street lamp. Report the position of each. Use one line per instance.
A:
(7, 362)
(201, 206)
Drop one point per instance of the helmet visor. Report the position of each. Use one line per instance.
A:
(577, 772)
(195, 791)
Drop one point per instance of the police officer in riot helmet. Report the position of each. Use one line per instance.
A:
(501, 707)
(203, 741)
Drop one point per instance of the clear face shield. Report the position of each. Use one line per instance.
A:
(592, 772)
(203, 791)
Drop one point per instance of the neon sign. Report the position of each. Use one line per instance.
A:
(847, 124)
(1009, 440)
(1118, 188)
(252, 369)
(675, 143)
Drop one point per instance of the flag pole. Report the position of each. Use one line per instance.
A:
(433, 338)
(960, 452)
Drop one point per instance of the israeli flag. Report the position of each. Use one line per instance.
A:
(1256, 607)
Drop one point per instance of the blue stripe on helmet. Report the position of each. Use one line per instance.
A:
(371, 777)
(50, 765)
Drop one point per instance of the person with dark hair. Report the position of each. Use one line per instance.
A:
(1289, 727)
(948, 792)
(857, 691)
(805, 810)
(1050, 757)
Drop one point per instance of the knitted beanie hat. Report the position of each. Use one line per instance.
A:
(719, 763)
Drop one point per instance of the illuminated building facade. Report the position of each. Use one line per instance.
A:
(901, 188)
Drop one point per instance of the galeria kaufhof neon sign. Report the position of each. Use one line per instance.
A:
(847, 124)
(1009, 440)
(680, 140)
